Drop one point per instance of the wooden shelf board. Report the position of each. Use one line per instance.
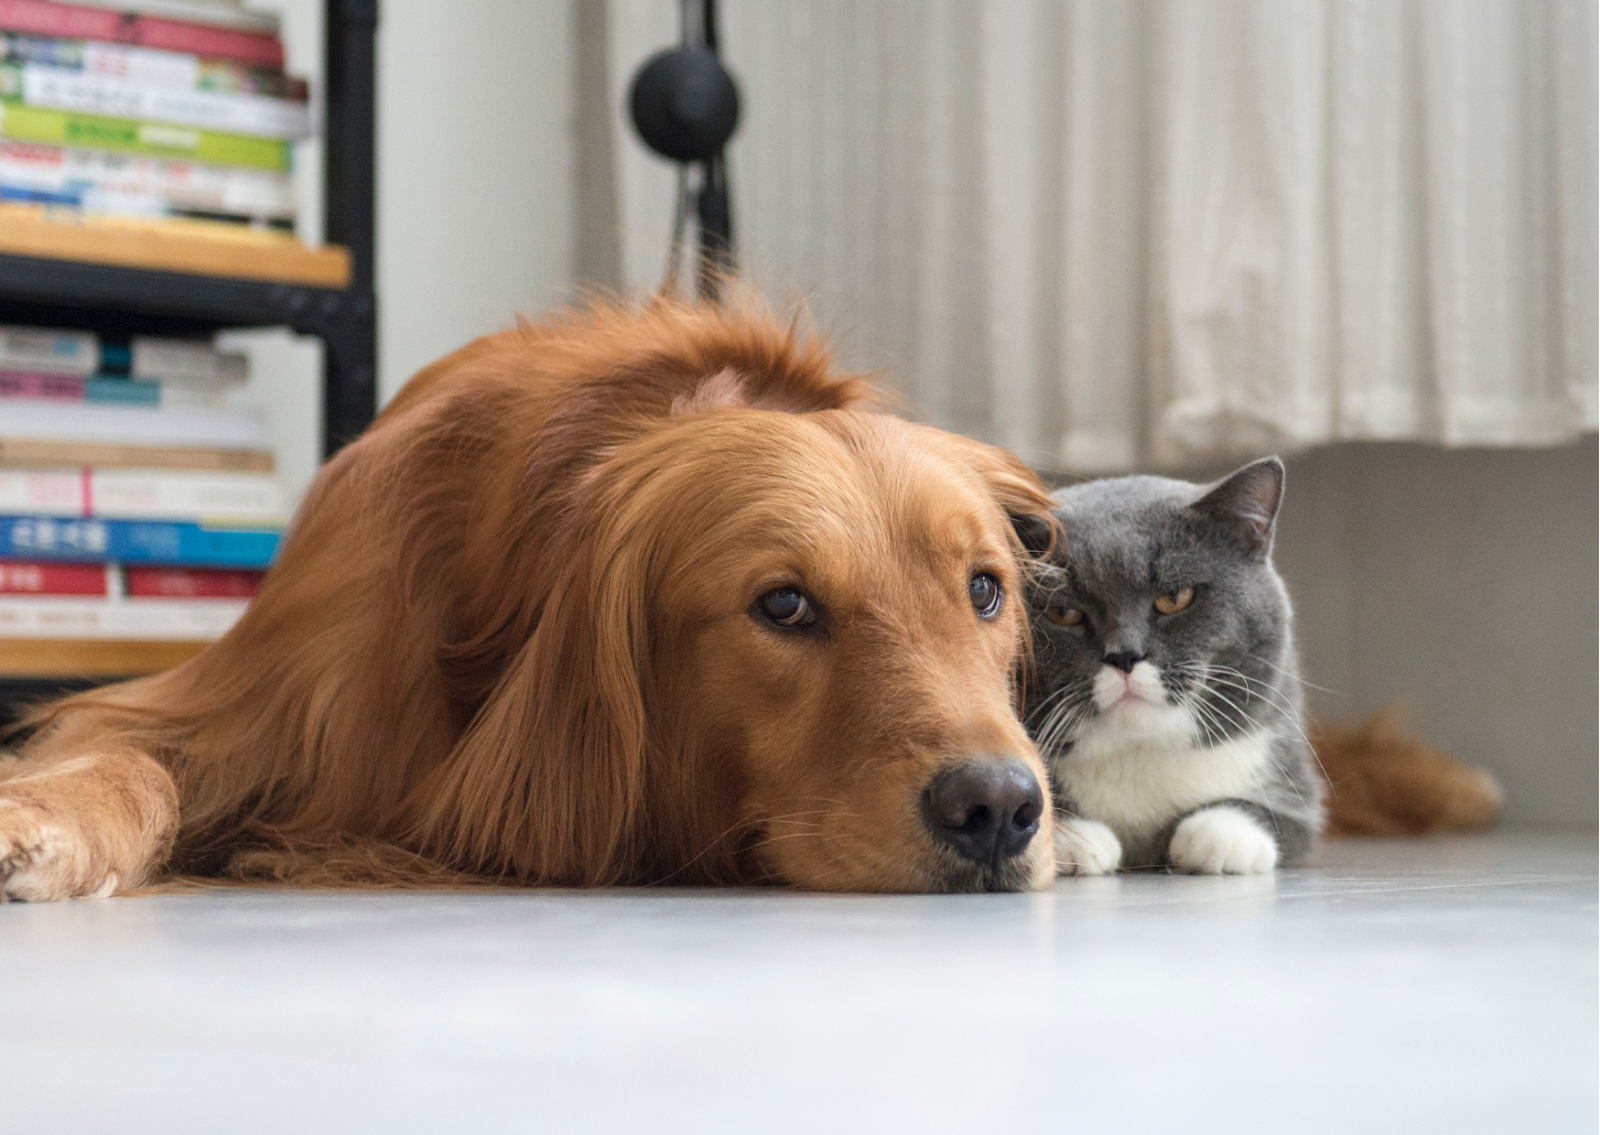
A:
(89, 658)
(206, 248)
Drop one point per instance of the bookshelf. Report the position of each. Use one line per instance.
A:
(144, 279)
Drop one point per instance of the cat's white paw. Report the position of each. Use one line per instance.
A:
(1223, 841)
(1086, 847)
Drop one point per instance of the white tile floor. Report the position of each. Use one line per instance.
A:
(1444, 985)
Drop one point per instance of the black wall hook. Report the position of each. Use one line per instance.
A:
(685, 106)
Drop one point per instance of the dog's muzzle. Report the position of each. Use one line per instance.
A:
(986, 809)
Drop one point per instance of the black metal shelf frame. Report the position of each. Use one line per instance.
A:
(122, 300)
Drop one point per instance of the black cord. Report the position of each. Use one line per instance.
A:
(697, 20)
(680, 223)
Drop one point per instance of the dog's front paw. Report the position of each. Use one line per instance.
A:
(1223, 841)
(1086, 847)
(41, 861)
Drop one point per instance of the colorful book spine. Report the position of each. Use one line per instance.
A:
(25, 123)
(185, 359)
(31, 384)
(42, 493)
(29, 577)
(136, 494)
(134, 425)
(70, 21)
(132, 392)
(115, 391)
(44, 453)
(151, 68)
(44, 351)
(157, 619)
(104, 182)
(137, 542)
(189, 583)
(62, 89)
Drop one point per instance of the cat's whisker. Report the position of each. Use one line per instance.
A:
(1230, 718)
(1197, 712)
(1283, 773)
(1065, 689)
(1216, 729)
(1256, 688)
(1059, 713)
(1296, 677)
(1229, 708)
(1185, 701)
(1288, 715)
(1270, 754)
(1061, 726)
(1073, 724)
(1277, 699)
(1055, 696)
(1046, 735)
(1218, 684)
(1257, 778)
(1203, 689)
(1045, 738)
(1079, 716)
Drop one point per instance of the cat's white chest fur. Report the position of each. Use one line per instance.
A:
(1136, 771)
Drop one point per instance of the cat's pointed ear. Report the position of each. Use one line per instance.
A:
(1247, 501)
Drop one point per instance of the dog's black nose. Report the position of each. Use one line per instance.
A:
(986, 810)
(1124, 661)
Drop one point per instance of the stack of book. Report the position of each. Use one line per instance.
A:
(161, 109)
(135, 503)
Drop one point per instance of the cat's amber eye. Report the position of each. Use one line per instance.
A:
(1064, 616)
(1175, 601)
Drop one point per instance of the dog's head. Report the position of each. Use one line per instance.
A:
(822, 614)
(771, 636)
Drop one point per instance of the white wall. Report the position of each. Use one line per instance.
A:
(1466, 580)
(475, 174)
(474, 171)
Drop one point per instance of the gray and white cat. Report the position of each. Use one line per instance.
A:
(1164, 693)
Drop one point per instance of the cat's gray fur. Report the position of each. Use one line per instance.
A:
(1226, 663)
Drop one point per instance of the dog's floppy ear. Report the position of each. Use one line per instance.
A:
(1019, 491)
(547, 782)
(1037, 533)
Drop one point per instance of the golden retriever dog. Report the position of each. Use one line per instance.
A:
(625, 597)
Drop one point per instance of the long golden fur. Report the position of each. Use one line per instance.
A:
(511, 638)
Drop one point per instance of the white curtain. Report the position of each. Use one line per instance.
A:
(1118, 235)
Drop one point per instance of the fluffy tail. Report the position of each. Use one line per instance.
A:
(1384, 780)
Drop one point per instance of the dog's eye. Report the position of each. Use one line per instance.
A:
(1064, 616)
(986, 594)
(1175, 601)
(787, 607)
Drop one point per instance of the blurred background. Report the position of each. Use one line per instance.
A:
(1112, 237)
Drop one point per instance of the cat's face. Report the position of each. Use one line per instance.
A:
(1163, 620)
